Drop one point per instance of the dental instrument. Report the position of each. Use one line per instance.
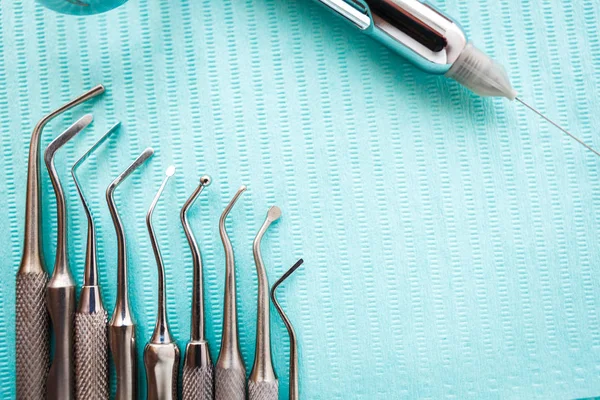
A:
(32, 336)
(230, 371)
(293, 372)
(161, 354)
(263, 383)
(121, 328)
(434, 43)
(91, 318)
(198, 370)
(60, 291)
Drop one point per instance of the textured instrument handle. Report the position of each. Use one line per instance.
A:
(263, 390)
(230, 384)
(32, 336)
(198, 383)
(91, 356)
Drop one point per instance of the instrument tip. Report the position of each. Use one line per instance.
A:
(274, 213)
(285, 276)
(297, 265)
(170, 171)
(205, 180)
(559, 127)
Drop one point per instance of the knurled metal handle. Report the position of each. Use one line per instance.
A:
(198, 383)
(32, 336)
(263, 390)
(230, 384)
(91, 356)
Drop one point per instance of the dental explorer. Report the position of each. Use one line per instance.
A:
(293, 373)
(32, 334)
(91, 318)
(230, 371)
(60, 290)
(434, 43)
(161, 354)
(263, 383)
(197, 366)
(121, 328)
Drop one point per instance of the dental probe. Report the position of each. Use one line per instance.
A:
(91, 318)
(121, 328)
(60, 291)
(434, 43)
(32, 338)
(293, 373)
(230, 371)
(161, 354)
(198, 370)
(263, 383)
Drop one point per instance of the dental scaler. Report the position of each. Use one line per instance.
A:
(434, 43)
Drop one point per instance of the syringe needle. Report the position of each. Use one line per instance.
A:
(566, 132)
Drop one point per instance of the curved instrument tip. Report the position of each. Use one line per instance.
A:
(87, 118)
(205, 180)
(64, 137)
(98, 89)
(285, 276)
(274, 213)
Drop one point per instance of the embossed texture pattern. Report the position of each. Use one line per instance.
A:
(32, 336)
(451, 243)
(263, 391)
(91, 356)
(197, 383)
(230, 384)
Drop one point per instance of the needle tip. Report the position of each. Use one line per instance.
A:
(559, 127)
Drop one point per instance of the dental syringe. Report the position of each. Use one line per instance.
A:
(434, 43)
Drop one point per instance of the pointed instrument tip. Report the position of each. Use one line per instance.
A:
(559, 127)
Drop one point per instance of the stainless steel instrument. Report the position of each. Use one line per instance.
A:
(230, 371)
(31, 315)
(91, 318)
(161, 355)
(435, 43)
(427, 38)
(121, 328)
(197, 366)
(293, 373)
(60, 291)
(263, 383)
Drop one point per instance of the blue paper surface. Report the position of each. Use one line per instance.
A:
(451, 242)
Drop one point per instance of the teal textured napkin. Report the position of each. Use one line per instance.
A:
(451, 242)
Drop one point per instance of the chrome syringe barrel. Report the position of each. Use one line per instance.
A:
(427, 38)
(413, 29)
